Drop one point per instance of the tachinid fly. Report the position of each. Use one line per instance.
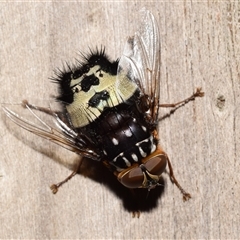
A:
(110, 111)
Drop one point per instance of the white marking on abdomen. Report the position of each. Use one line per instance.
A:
(126, 161)
(115, 141)
(123, 158)
(153, 149)
(134, 157)
(143, 154)
(128, 133)
(144, 128)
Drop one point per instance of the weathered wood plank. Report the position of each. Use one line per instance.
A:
(200, 47)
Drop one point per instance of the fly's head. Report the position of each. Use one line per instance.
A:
(147, 174)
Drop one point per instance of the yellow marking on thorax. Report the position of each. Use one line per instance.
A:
(119, 88)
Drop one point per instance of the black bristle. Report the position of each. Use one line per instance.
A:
(64, 77)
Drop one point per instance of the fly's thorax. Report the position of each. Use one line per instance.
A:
(106, 91)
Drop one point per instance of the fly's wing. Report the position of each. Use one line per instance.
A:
(60, 134)
(141, 61)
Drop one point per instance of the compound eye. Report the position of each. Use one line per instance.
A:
(156, 165)
(132, 178)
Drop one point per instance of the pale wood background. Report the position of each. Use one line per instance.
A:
(200, 47)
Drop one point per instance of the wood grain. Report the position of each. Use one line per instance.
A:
(200, 48)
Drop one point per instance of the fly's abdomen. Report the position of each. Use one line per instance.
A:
(123, 136)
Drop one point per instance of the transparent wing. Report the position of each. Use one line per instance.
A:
(141, 61)
(61, 134)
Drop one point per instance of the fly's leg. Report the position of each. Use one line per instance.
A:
(186, 196)
(198, 93)
(55, 187)
(136, 214)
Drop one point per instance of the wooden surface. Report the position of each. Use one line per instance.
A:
(200, 48)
